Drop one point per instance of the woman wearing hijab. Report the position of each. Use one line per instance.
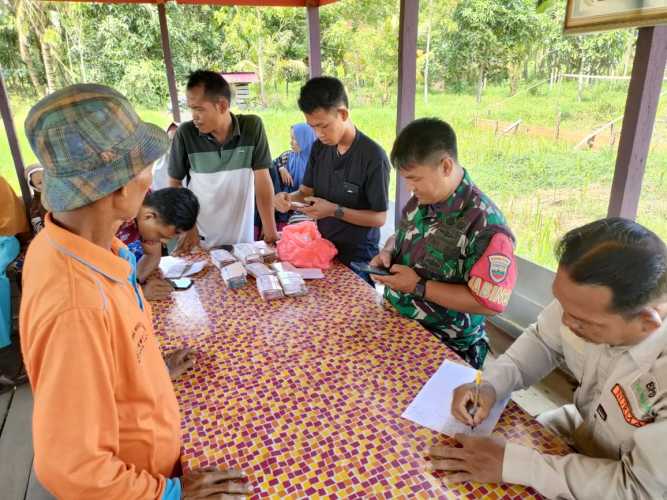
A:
(287, 171)
(291, 165)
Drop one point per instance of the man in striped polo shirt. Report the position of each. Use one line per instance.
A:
(225, 160)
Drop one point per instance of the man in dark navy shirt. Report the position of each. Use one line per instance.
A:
(347, 177)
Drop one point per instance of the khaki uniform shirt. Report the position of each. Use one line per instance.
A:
(619, 425)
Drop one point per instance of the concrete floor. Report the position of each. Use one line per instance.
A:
(17, 477)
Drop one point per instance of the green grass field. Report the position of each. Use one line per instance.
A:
(544, 187)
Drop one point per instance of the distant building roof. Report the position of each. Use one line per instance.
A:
(241, 77)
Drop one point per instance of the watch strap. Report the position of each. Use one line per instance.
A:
(420, 288)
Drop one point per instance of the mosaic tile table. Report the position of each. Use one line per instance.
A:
(305, 394)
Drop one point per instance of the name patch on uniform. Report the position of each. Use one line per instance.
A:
(602, 413)
(492, 293)
(626, 409)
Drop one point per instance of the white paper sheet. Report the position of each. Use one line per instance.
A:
(432, 406)
(309, 273)
(175, 267)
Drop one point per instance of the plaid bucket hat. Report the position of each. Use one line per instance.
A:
(91, 143)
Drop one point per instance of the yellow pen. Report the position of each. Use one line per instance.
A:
(475, 404)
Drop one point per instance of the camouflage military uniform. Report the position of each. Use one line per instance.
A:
(462, 240)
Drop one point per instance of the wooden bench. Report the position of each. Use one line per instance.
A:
(17, 477)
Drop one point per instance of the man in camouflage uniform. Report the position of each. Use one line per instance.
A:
(452, 257)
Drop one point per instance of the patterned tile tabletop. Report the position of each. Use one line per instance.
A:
(305, 394)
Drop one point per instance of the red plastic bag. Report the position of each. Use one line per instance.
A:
(302, 245)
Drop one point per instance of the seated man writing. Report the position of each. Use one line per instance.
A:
(347, 176)
(607, 326)
(452, 257)
(106, 422)
(164, 214)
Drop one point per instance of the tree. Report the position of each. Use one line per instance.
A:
(491, 38)
(30, 21)
(291, 70)
(258, 38)
(13, 68)
(427, 53)
(462, 43)
(436, 22)
(599, 53)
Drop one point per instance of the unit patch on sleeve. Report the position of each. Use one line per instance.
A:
(498, 267)
(645, 391)
(626, 409)
(493, 276)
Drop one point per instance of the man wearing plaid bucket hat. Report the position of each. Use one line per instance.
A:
(106, 421)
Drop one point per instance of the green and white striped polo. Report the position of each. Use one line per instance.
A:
(222, 177)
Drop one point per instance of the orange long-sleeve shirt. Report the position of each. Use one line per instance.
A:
(106, 422)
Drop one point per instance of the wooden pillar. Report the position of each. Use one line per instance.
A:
(169, 65)
(6, 113)
(314, 43)
(648, 71)
(407, 83)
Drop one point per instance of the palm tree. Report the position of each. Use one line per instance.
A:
(34, 25)
(25, 20)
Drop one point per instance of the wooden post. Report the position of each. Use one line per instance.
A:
(314, 45)
(6, 113)
(169, 66)
(407, 83)
(513, 127)
(557, 129)
(641, 106)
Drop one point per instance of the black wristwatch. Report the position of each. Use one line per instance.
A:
(339, 213)
(420, 288)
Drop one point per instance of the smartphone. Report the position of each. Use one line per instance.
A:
(298, 204)
(362, 267)
(181, 283)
